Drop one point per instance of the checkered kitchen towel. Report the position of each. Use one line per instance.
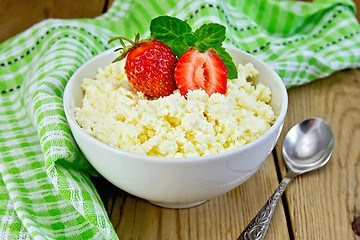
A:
(45, 190)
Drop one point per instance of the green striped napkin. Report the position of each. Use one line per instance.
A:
(45, 189)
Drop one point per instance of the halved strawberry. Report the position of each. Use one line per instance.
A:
(201, 70)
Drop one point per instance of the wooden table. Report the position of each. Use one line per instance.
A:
(319, 205)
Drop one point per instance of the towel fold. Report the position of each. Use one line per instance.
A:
(45, 187)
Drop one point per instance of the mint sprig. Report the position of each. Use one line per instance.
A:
(178, 35)
(210, 35)
(167, 29)
(181, 44)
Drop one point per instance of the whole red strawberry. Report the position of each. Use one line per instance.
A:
(150, 66)
(201, 70)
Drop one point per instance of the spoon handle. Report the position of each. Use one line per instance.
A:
(258, 226)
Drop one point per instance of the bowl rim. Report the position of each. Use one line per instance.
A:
(175, 160)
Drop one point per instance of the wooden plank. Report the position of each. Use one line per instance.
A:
(331, 193)
(17, 16)
(110, 2)
(223, 217)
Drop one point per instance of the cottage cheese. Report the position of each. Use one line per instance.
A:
(118, 115)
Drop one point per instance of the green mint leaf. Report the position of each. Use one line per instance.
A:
(210, 35)
(177, 34)
(183, 43)
(201, 47)
(167, 29)
(227, 59)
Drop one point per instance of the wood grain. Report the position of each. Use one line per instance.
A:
(17, 16)
(323, 204)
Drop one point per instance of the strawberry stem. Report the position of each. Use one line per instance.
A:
(120, 38)
(125, 49)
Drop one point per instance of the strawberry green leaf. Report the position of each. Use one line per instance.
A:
(227, 59)
(210, 35)
(166, 29)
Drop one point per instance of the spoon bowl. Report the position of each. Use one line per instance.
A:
(307, 146)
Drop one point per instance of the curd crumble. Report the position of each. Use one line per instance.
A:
(115, 113)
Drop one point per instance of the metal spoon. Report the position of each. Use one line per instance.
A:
(307, 146)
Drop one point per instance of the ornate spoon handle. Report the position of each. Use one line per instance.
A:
(258, 226)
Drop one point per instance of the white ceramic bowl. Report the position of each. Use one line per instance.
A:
(177, 182)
